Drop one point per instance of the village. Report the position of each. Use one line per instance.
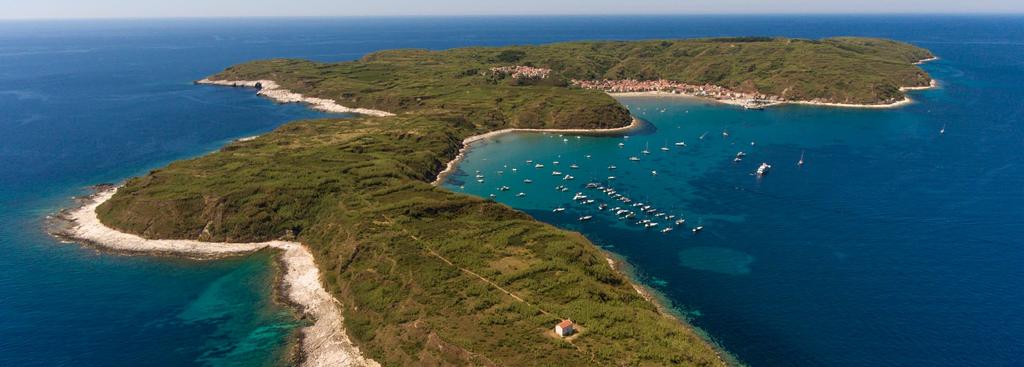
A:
(747, 100)
(522, 72)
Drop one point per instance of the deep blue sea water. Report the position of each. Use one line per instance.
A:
(891, 246)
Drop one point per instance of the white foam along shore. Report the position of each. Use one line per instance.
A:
(324, 343)
(270, 89)
(467, 142)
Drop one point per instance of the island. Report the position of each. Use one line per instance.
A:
(391, 269)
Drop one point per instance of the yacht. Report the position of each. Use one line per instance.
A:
(558, 210)
(680, 144)
(680, 222)
(538, 165)
(666, 230)
(697, 229)
(763, 169)
(586, 218)
(611, 178)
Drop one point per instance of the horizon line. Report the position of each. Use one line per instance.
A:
(523, 15)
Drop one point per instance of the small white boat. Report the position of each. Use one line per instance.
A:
(538, 165)
(588, 156)
(654, 173)
(555, 163)
(612, 167)
(521, 194)
(647, 149)
(558, 210)
(703, 135)
(680, 222)
(527, 181)
(680, 144)
(763, 169)
(556, 173)
(753, 143)
(801, 161)
(480, 180)
(567, 178)
(515, 170)
(574, 166)
(666, 230)
(725, 133)
(565, 140)
(611, 178)
(503, 188)
(942, 130)
(697, 229)
(634, 159)
(586, 218)
(621, 145)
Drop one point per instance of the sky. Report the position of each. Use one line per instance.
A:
(34, 9)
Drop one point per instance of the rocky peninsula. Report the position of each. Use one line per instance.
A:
(423, 275)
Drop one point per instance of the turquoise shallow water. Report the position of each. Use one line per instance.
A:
(892, 246)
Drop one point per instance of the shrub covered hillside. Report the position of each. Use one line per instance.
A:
(429, 277)
(840, 70)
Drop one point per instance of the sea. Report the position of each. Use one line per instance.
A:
(893, 244)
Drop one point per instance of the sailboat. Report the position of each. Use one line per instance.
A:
(647, 149)
(725, 133)
(703, 135)
(943, 130)
(801, 161)
(664, 148)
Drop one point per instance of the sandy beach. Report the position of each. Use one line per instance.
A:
(467, 142)
(270, 89)
(324, 343)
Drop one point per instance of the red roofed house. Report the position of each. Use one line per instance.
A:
(564, 328)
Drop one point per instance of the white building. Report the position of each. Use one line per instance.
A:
(564, 328)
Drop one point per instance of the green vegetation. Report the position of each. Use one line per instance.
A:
(841, 70)
(398, 252)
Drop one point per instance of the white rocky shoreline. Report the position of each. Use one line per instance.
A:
(324, 343)
(467, 142)
(270, 89)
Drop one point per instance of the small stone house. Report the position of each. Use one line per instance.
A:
(564, 328)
